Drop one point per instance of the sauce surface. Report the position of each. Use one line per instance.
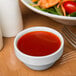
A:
(38, 43)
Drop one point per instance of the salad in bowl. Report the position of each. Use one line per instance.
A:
(63, 11)
(58, 7)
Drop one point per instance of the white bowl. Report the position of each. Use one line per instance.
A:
(62, 19)
(41, 62)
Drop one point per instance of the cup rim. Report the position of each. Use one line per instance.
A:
(19, 35)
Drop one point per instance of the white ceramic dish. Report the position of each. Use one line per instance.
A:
(62, 19)
(42, 62)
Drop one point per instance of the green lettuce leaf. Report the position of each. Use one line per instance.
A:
(73, 14)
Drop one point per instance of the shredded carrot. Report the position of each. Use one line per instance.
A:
(34, 0)
(46, 3)
(63, 10)
(59, 3)
(62, 1)
(39, 2)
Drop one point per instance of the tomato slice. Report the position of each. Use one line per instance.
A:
(70, 6)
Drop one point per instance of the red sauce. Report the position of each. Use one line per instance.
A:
(38, 43)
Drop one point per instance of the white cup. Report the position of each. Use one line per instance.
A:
(11, 19)
(42, 62)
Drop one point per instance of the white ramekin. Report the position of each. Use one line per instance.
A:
(42, 62)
